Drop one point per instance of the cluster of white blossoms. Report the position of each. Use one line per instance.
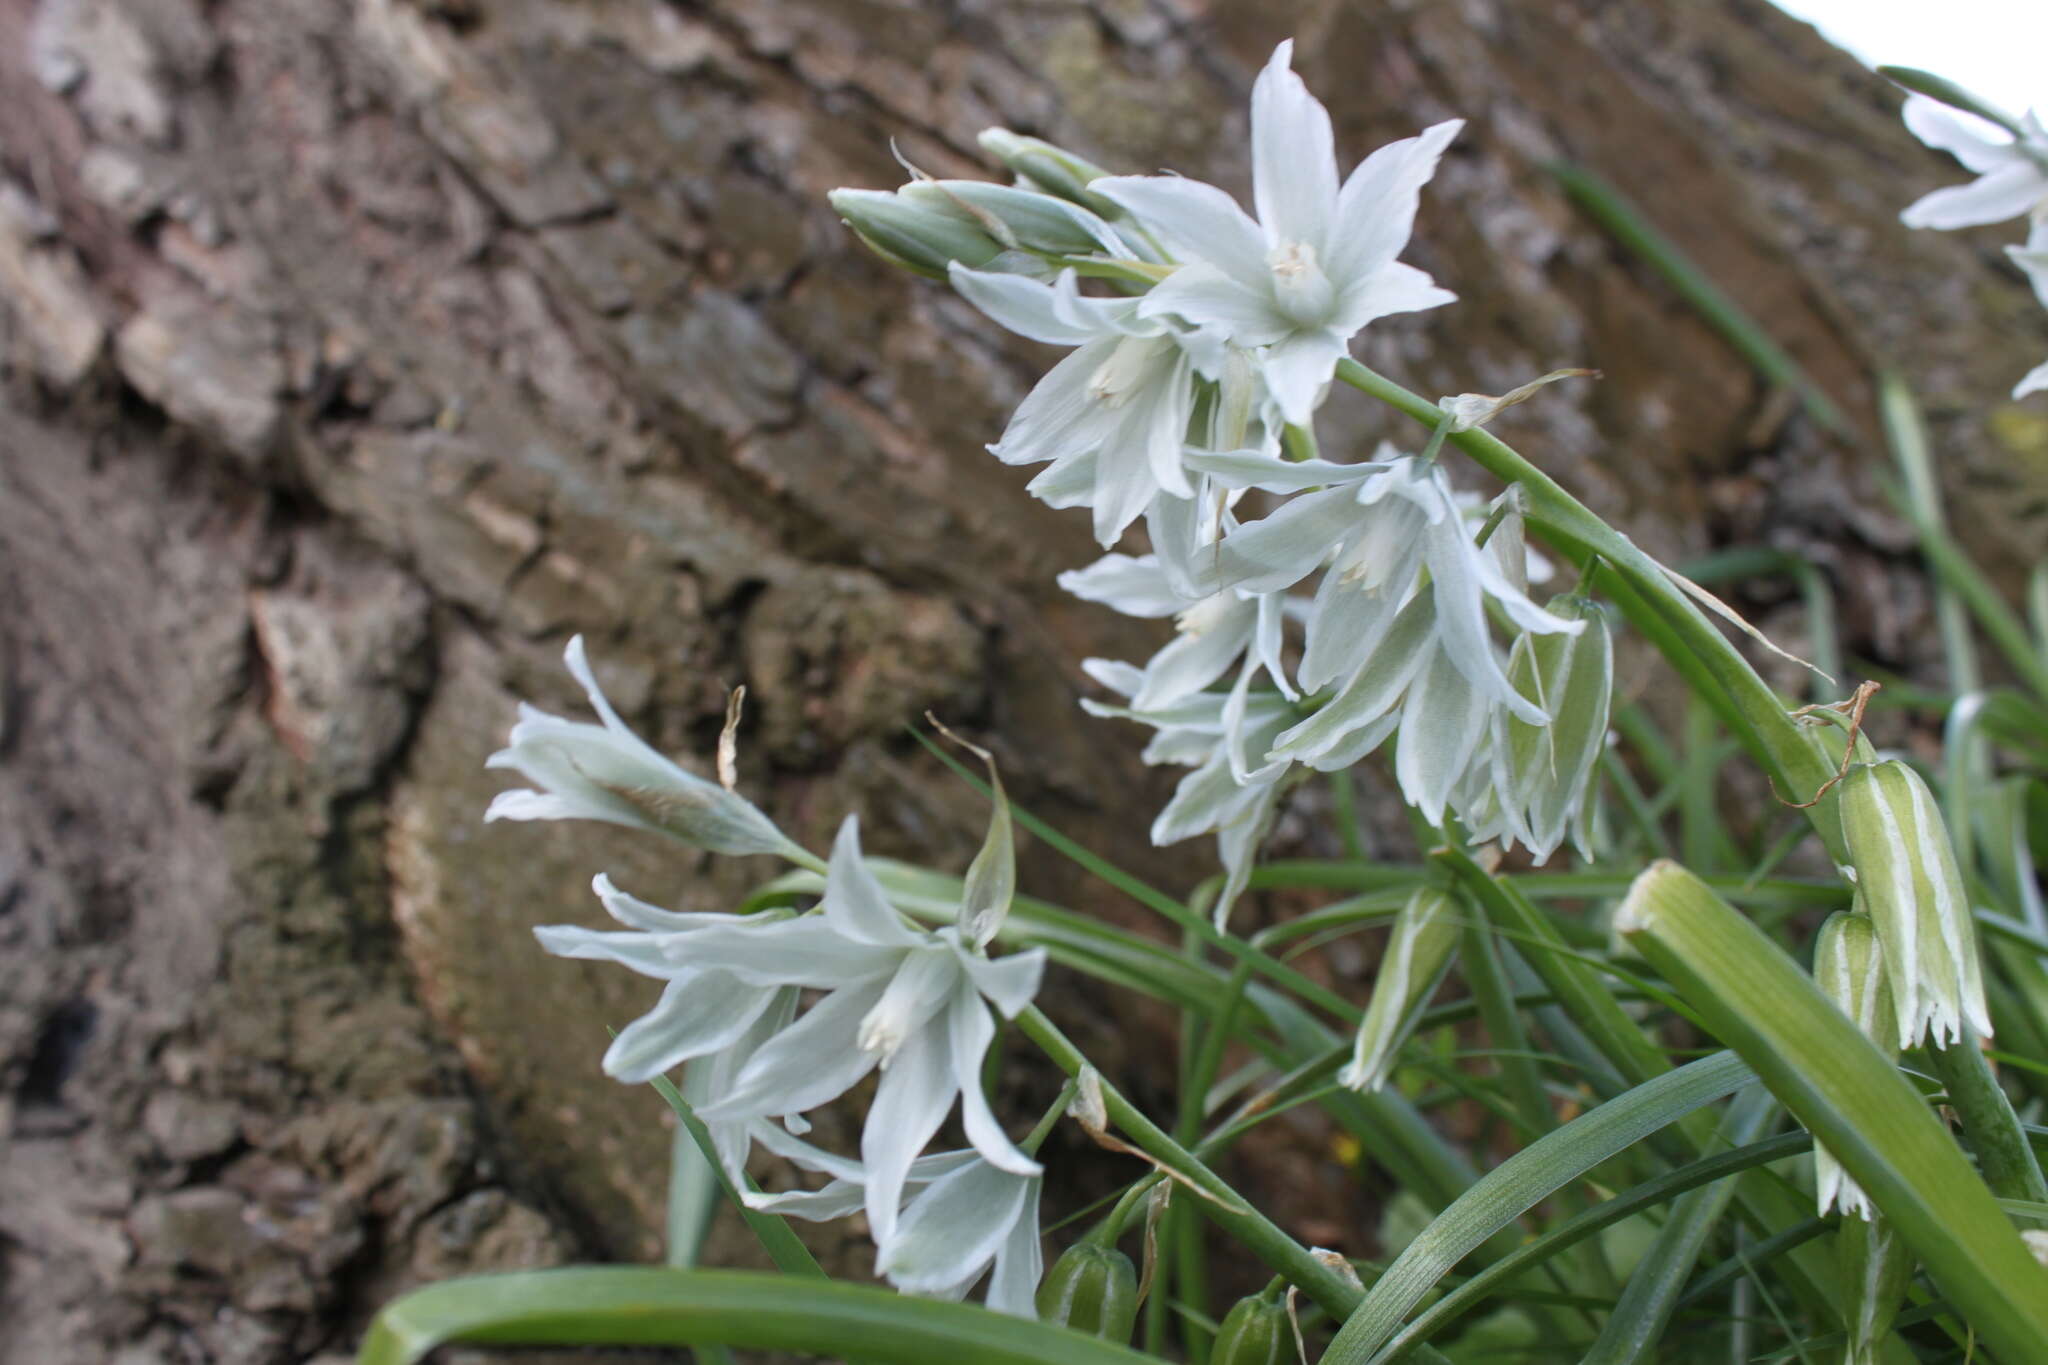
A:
(910, 1002)
(2012, 182)
(1178, 402)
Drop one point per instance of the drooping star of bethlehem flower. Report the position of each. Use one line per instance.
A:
(963, 1217)
(2012, 172)
(913, 1002)
(1319, 262)
(1113, 416)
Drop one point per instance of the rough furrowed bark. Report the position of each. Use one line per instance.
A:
(357, 355)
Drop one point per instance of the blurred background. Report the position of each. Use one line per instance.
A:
(358, 354)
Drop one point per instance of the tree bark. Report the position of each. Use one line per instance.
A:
(357, 355)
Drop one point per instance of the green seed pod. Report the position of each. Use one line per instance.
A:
(1902, 863)
(1254, 1332)
(1543, 771)
(914, 236)
(1093, 1289)
(1425, 934)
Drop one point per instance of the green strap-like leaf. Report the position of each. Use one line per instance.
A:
(1757, 1000)
(639, 1306)
(1518, 1184)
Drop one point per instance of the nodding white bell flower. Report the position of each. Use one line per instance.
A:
(1113, 416)
(961, 1218)
(1849, 968)
(1218, 734)
(1318, 263)
(1214, 632)
(911, 1001)
(606, 772)
(2012, 172)
(2033, 258)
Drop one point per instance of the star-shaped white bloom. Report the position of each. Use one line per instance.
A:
(2012, 173)
(1317, 265)
(912, 1002)
(1214, 631)
(1113, 416)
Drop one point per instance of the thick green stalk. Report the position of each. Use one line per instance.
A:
(1655, 604)
(1990, 1124)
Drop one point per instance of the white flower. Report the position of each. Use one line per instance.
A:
(963, 1217)
(606, 772)
(2012, 173)
(2033, 258)
(1113, 416)
(1217, 734)
(1214, 631)
(897, 997)
(1317, 265)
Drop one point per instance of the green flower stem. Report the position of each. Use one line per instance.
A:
(1654, 604)
(1210, 1193)
(1994, 1131)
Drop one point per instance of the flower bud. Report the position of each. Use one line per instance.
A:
(1052, 169)
(606, 772)
(1848, 966)
(1017, 219)
(915, 236)
(1419, 952)
(1901, 862)
(1094, 1289)
(1254, 1332)
(1543, 772)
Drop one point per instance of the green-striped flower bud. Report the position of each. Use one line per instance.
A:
(1018, 219)
(1052, 169)
(1901, 861)
(1419, 952)
(1848, 966)
(1094, 1289)
(913, 235)
(1254, 1332)
(1542, 772)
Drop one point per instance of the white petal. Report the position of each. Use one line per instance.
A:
(1294, 156)
(1024, 306)
(1297, 368)
(1376, 207)
(695, 1015)
(1047, 421)
(1135, 587)
(2036, 380)
(952, 1230)
(1350, 621)
(911, 1102)
(917, 992)
(579, 669)
(808, 951)
(1257, 469)
(970, 1031)
(837, 1200)
(1458, 568)
(1372, 693)
(2005, 193)
(1279, 550)
(1441, 727)
(1009, 982)
(1206, 296)
(640, 952)
(638, 914)
(1199, 217)
(1121, 678)
(1196, 658)
(1972, 141)
(813, 1061)
(855, 904)
(1013, 1286)
(1068, 481)
(532, 805)
(1393, 288)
